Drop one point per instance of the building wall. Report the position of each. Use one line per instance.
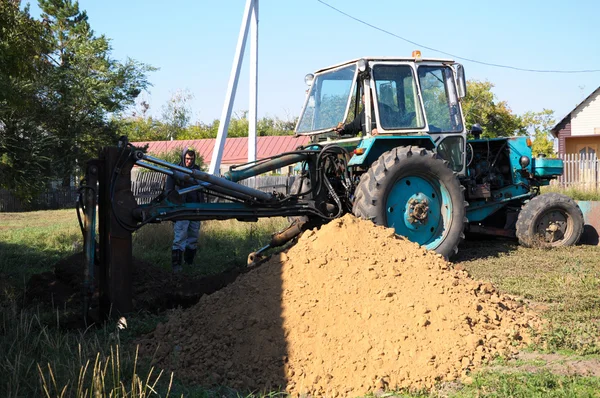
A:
(577, 144)
(585, 120)
(563, 134)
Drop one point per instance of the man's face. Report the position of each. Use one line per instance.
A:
(189, 159)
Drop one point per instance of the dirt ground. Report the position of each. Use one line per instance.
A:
(350, 309)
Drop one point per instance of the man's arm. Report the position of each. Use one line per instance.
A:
(354, 127)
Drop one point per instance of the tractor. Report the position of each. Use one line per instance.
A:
(420, 174)
(409, 167)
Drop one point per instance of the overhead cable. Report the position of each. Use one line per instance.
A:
(453, 55)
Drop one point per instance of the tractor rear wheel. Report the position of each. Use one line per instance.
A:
(417, 194)
(551, 219)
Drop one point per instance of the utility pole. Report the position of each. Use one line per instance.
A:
(250, 18)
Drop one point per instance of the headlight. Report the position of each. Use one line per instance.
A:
(308, 79)
(362, 64)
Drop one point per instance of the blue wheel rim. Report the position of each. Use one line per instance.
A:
(420, 209)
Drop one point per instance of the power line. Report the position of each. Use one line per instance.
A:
(453, 55)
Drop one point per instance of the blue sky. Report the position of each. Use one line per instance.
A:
(193, 44)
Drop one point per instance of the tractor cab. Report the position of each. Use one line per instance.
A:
(414, 100)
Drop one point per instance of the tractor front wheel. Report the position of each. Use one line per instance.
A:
(417, 194)
(550, 219)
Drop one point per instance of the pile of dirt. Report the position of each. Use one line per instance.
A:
(349, 309)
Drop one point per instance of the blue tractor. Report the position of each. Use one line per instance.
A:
(412, 166)
(388, 143)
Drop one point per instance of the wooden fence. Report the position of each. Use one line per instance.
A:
(581, 172)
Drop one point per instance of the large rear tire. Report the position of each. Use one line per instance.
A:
(417, 194)
(550, 220)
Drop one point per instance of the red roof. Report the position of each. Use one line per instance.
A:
(235, 150)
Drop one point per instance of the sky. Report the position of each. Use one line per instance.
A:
(193, 44)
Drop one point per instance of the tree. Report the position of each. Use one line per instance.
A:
(25, 147)
(84, 86)
(176, 115)
(496, 118)
(539, 125)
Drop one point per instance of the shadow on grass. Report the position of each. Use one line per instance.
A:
(477, 247)
(19, 262)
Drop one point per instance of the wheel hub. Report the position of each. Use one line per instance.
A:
(418, 208)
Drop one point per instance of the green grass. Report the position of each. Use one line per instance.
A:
(222, 244)
(562, 284)
(32, 242)
(526, 384)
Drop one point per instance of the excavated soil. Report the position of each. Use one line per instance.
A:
(350, 309)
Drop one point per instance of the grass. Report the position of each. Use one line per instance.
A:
(563, 283)
(577, 194)
(222, 244)
(32, 242)
(526, 384)
(39, 358)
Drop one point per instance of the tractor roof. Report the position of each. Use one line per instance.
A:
(387, 59)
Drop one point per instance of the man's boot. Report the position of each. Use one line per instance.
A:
(176, 257)
(189, 255)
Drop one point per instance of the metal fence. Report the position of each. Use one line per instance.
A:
(148, 185)
(51, 199)
(581, 172)
(144, 185)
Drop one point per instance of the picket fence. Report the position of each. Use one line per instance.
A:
(581, 172)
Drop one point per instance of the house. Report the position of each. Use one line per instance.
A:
(235, 151)
(579, 131)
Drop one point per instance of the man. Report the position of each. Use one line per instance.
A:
(358, 124)
(186, 232)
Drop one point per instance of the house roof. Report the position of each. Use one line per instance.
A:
(235, 150)
(557, 127)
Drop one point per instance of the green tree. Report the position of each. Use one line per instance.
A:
(84, 87)
(495, 117)
(139, 126)
(176, 115)
(539, 125)
(25, 146)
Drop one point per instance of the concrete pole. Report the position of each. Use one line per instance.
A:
(217, 154)
(252, 118)
(253, 83)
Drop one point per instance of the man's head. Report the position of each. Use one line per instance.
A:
(189, 158)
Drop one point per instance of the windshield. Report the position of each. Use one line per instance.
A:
(397, 100)
(327, 100)
(439, 99)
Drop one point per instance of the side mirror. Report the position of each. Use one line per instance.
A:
(461, 82)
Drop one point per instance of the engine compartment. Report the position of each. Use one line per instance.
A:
(488, 168)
